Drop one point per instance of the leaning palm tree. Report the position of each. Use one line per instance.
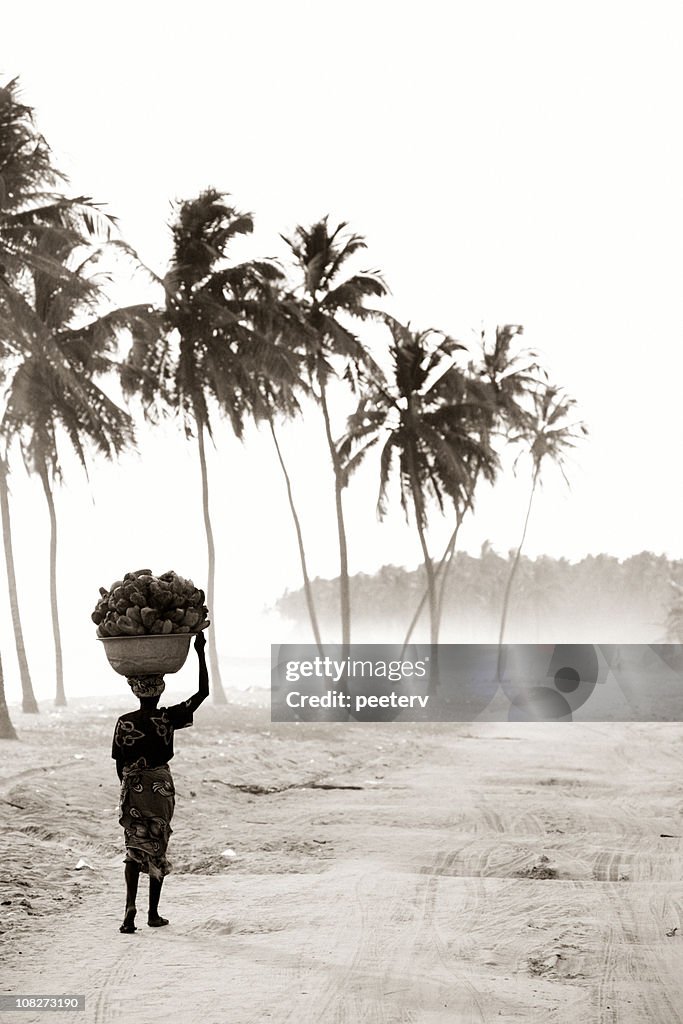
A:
(305, 574)
(548, 435)
(506, 377)
(435, 419)
(7, 731)
(278, 317)
(63, 347)
(207, 359)
(32, 207)
(33, 215)
(325, 302)
(26, 173)
(501, 378)
(29, 703)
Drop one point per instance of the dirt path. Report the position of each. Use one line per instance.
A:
(482, 873)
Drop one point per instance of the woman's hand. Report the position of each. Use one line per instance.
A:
(199, 643)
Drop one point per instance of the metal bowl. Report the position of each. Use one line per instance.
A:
(147, 655)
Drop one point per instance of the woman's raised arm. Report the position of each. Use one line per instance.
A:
(203, 688)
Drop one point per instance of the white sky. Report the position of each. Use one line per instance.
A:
(507, 162)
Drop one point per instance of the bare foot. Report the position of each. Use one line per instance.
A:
(128, 925)
(155, 921)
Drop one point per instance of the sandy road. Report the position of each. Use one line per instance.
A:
(508, 873)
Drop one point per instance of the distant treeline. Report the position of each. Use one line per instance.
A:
(599, 598)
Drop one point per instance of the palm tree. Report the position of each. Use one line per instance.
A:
(435, 417)
(51, 392)
(31, 207)
(548, 436)
(29, 704)
(503, 377)
(210, 307)
(325, 300)
(506, 378)
(32, 216)
(308, 590)
(7, 731)
(276, 316)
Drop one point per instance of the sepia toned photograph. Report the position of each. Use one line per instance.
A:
(341, 595)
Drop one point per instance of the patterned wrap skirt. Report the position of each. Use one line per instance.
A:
(146, 807)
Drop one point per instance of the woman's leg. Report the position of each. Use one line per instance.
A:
(132, 873)
(153, 918)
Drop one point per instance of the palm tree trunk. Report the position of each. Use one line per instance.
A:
(60, 696)
(423, 599)
(445, 563)
(344, 590)
(308, 590)
(513, 569)
(6, 728)
(29, 704)
(217, 686)
(445, 568)
(431, 576)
